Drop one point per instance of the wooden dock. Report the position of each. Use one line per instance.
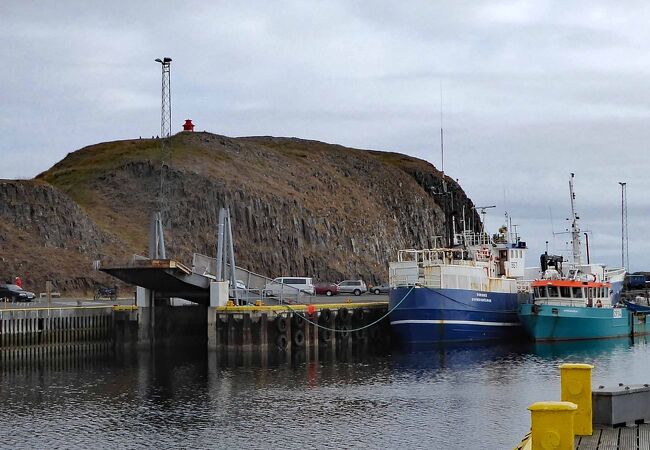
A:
(623, 438)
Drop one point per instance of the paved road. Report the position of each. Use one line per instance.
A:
(67, 302)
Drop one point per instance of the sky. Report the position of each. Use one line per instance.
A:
(529, 92)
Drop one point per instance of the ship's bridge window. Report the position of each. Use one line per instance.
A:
(552, 291)
(542, 291)
(565, 291)
(577, 292)
(606, 292)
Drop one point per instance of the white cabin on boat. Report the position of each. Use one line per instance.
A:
(481, 264)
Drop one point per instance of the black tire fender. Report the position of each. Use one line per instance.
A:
(299, 338)
(282, 342)
(281, 324)
(325, 315)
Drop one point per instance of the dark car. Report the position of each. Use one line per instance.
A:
(380, 289)
(105, 292)
(326, 289)
(11, 292)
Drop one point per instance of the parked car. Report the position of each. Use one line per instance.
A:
(289, 286)
(13, 293)
(356, 287)
(240, 289)
(105, 292)
(380, 289)
(326, 289)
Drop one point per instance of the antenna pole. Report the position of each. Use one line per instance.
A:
(625, 256)
(575, 228)
(442, 140)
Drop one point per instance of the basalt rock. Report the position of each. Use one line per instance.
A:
(298, 207)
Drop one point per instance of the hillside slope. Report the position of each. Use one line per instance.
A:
(299, 207)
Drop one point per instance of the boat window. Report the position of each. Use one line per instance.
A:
(552, 291)
(565, 291)
(606, 292)
(542, 291)
(577, 292)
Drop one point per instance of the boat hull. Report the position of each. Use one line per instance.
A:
(562, 323)
(425, 315)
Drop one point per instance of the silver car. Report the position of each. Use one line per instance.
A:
(380, 289)
(356, 287)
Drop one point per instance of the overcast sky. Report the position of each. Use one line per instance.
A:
(531, 91)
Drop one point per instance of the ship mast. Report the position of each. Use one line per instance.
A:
(575, 228)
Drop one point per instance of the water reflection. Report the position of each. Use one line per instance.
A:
(453, 396)
(583, 350)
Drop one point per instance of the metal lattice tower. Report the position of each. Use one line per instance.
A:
(625, 254)
(166, 98)
(164, 216)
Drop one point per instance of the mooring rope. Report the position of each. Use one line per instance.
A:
(335, 330)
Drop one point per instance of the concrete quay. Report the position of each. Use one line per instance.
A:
(64, 325)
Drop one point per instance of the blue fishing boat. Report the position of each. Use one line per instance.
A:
(576, 300)
(467, 292)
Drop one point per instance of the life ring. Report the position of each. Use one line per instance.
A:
(599, 304)
(281, 324)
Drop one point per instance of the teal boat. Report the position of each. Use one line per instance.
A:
(547, 322)
(579, 301)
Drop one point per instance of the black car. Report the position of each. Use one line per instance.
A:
(105, 292)
(11, 292)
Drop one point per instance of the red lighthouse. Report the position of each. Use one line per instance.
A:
(188, 125)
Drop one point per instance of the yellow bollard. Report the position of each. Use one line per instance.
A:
(552, 425)
(576, 388)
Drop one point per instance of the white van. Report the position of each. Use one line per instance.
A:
(289, 286)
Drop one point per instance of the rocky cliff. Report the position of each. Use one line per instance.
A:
(298, 207)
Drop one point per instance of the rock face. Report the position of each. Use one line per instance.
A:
(298, 207)
(45, 235)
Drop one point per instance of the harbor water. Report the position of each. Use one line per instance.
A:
(451, 397)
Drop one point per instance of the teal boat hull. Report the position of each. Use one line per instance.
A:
(563, 323)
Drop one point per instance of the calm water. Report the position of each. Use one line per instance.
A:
(453, 397)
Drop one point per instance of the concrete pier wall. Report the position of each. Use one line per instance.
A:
(272, 329)
(39, 332)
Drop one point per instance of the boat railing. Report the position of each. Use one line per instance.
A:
(432, 255)
(473, 239)
(613, 273)
(524, 286)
